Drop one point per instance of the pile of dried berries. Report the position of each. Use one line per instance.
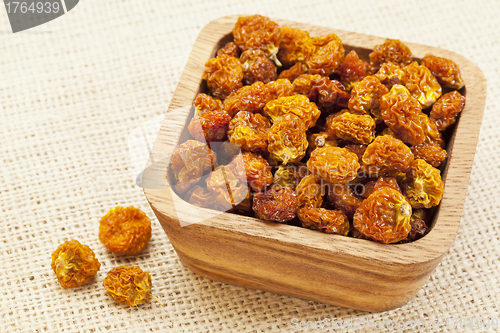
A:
(329, 141)
(123, 231)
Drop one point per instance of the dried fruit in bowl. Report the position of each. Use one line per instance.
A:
(287, 139)
(384, 216)
(424, 187)
(334, 164)
(223, 75)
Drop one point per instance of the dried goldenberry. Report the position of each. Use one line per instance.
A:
(202, 197)
(342, 196)
(320, 139)
(189, 162)
(327, 56)
(258, 32)
(401, 113)
(422, 84)
(424, 187)
(295, 46)
(255, 168)
(328, 93)
(74, 264)
(205, 103)
(432, 153)
(333, 164)
(387, 155)
(287, 139)
(223, 75)
(310, 192)
(230, 49)
(384, 216)
(249, 131)
(293, 72)
(290, 175)
(352, 70)
(257, 67)
(278, 204)
(210, 126)
(419, 227)
(390, 74)
(125, 230)
(353, 127)
(445, 71)
(325, 220)
(229, 185)
(444, 112)
(365, 96)
(374, 185)
(302, 84)
(392, 50)
(298, 105)
(129, 285)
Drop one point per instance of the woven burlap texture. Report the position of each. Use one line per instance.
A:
(73, 89)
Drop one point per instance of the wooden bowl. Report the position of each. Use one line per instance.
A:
(299, 262)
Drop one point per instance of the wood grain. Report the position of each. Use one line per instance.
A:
(293, 261)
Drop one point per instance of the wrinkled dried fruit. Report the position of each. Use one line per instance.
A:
(189, 161)
(387, 155)
(279, 204)
(205, 103)
(287, 139)
(229, 185)
(419, 227)
(278, 88)
(125, 230)
(424, 187)
(401, 113)
(328, 93)
(256, 169)
(249, 131)
(325, 220)
(230, 49)
(257, 67)
(310, 192)
(432, 153)
(258, 32)
(432, 135)
(422, 84)
(223, 75)
(251, 98)
(298, 105)
(352, 70)
(342, 196)
(129, 285)
(295, 47)
(202, 197)
(374, 185)
(353, 127)
(302, 84)
(384, 216)
(359, 150)
(445, 71)
(74, 264)
(210, 126)
(290, 175)
(293, 72)
(390, 74)
(327, 56)
(365, 96)
(333, 164)
(320, 139)
(444, 112)
(392, 50)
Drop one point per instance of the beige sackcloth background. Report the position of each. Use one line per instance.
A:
(72, 91)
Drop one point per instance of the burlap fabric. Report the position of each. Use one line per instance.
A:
(73, 89)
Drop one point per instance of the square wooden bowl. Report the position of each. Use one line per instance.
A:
(299, 262)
